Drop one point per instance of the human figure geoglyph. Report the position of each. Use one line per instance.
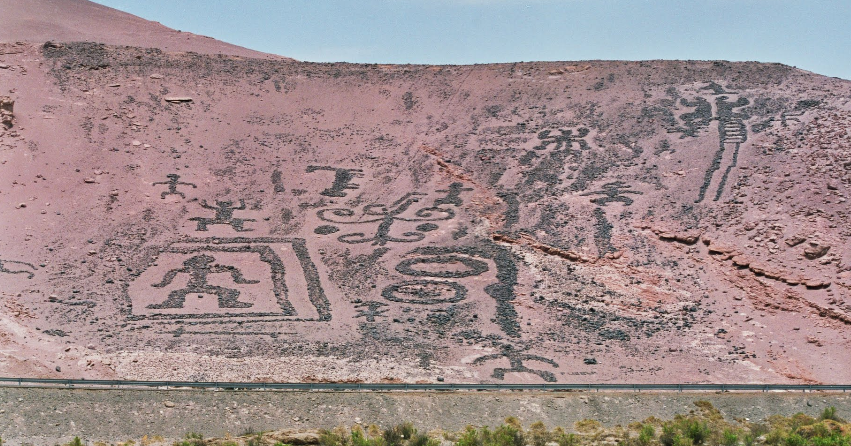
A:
(224, 216)
(172, 183)
(199, 268)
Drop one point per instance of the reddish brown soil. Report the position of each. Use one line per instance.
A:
(655, 221)
(81, 20)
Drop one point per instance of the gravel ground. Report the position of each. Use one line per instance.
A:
(42, 416)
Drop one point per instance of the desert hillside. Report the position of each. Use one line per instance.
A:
(182, 215)
(82, 20)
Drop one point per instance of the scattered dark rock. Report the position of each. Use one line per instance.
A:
(6, 111)
(816, 250)
(795, 240)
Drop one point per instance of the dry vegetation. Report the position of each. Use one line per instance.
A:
(703, 426)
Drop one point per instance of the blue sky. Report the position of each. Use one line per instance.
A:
(814, 35)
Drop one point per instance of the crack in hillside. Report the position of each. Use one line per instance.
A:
(527, 240)
(459, 174)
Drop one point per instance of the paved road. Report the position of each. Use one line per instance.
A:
(81, 383)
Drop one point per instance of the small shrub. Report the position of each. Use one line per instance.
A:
(505, 435)
(668, 435)
(798, 420)
(682, 440)
(393, 436)
(76, 442)
(256, 440)
(646, 435)
(758, 430)
(775, 437)
(829, 413)
(513, 422)
(729, 438)
(816, 430)
(191, 439)
(795, 439)
(587, 426)
(508, 435)
(330, 438)
(538, 434)
(696, 431)
(422, 440)
(709, 411)
(832, 440)
(564, 439)
(373, 431)
(407, 430)
(358, 439)
(470, 437)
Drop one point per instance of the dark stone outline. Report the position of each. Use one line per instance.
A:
(180, 331)
(342, 180)
(477, 267)
(172, 183)
(506, 276)
(278, 182)
(267, 255)
(512, 208)
(566, 139)
(3, 269)
(326, 229)
(387, 216)
(460, 292)
(315, 292)
(613, 192)
(725, 114)
(733, 164)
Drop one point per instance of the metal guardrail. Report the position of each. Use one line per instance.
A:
(101, 383)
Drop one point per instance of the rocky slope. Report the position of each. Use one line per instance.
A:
(82, 20)
(188, 216)
(55, 416)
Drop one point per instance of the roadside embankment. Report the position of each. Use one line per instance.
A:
(54, 415)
